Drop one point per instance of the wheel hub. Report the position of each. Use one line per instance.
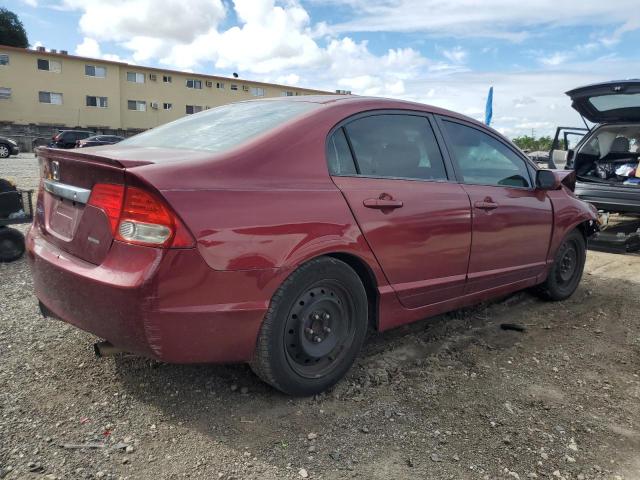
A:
(568, 264)
(317, 328)
(317, 335)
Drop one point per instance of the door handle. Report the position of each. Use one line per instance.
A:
(485, 205)
(382, 203)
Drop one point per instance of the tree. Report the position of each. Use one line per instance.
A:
(12, 32)
(526, 142)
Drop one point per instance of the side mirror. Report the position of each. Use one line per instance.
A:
(547, 180)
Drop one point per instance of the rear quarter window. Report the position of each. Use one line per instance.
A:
(339, 155)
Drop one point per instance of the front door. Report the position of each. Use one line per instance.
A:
(512, 220)
(418, 224)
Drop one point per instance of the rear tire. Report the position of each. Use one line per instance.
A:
(11, 245)
(314, 328)
(5, 150)
(566, 272)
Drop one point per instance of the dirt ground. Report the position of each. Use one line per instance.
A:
(453, 397)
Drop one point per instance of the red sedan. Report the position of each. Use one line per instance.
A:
(276, 232)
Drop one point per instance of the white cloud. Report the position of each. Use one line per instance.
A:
(290, 79)
(503, 19)
(278, 41)
(172, 20)
(554, 59)
(455, 55)
(523, 101)
(91, 48)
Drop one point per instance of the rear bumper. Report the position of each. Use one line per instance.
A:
(15, 150)
(163, 304)
(611, 199)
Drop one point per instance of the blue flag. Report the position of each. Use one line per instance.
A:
(488, 110)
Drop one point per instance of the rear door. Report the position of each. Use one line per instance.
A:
(390, 169)
(563, 147)
(512, 221)
(610, 102)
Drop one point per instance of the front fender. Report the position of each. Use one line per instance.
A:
(569, 213)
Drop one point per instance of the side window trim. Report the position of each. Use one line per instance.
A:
(442, 118)
(353, 154)
(431, 121)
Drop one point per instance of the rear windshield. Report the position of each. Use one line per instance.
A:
(221, 128)
(613, 102)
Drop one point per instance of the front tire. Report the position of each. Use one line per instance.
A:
(314, 328)
(566, 272)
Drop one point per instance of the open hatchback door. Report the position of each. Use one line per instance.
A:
(609, 102)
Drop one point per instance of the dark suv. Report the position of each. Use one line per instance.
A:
(606, 159)
(68, 138)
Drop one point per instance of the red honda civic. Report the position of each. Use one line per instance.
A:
(276, 232)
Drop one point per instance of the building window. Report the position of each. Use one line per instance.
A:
(135, 77)
(257, 91)
(4, 59)
(167, 78)
(93, 71)
(50, 97)
(220, 85)
(5, 93)
(194, 84)
(287, 93)
(234, 86)
(167, 106)
(49, 65)
(193, 109)
(138, 105)
(100, 102)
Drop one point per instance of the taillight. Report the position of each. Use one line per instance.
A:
(108, 197)
(139, 217)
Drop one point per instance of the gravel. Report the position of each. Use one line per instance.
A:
(433, 400)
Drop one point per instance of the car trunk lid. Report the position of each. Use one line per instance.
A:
(610, 102)
(63, 213)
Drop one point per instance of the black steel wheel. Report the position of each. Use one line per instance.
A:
(314, 328)
(567, 268)
(319, 329)
(11, 244)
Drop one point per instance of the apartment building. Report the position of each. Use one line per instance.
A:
(50, 88)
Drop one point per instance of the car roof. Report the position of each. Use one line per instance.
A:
(371, 103)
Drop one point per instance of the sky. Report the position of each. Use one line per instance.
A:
(444, 53)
